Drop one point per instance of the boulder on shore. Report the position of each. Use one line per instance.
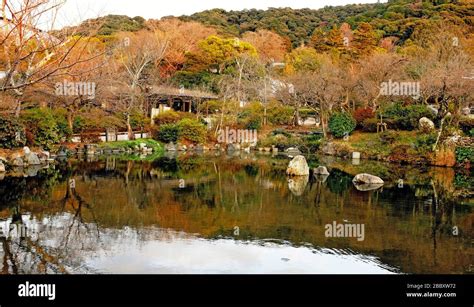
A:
(2, 167)
(298, 167)
(18, 162)
(32, 159)
(426, 125)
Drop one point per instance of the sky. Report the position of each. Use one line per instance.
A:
(75, 11)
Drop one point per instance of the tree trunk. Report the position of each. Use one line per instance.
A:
(129, 129)
(70, 123)
(323, 125)
(265, 115)
(17, 107)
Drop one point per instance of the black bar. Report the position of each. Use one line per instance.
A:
(239, 289)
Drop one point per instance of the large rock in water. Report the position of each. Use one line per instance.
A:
(321, 170)
(367, 182)
(426, 125)
(298, 167)
(367, 179)
(32, 159)
(2, 167)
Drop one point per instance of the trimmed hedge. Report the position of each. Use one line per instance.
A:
(12, 133)
(341, 124)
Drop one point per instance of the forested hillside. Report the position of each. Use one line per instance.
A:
(396, 18)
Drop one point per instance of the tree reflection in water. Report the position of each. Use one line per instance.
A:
(113, 201)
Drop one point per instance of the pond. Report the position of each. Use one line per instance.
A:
(220, 213)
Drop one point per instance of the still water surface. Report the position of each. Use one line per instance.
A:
(232, 214)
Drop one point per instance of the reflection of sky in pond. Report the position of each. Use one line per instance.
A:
(148, 224)
(161, 251)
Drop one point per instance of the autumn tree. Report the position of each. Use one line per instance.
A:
(215, 54)
(364, 41)
(183, 38)
(302, 59)
(30, 55)
(270, 46)
(130, 71)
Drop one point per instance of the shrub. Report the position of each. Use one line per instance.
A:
(278, 114)
(305, 113)
(60, 116)
(10, 128)
(168, 133)
(362, 114)
(95, 120)
(254, 123)
(464, 154)
(211, 107)
(341, 124)
(370, 125)
(167, 117)
(424, 143)
(467, 126)
(313, 142)
(251, 116)
(388, 137)
(43, 127)
(406, 117)
(90, 137)
(192, 130)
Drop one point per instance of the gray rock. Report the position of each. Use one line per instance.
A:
(321, 170)
(426, 125)
(18, 162)
(367, 179)
(293, 151)
(298, 167)
(328, 149)
(26, 150)
(2, 167)
(32, 159)
(44, 154)
(170, 147)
